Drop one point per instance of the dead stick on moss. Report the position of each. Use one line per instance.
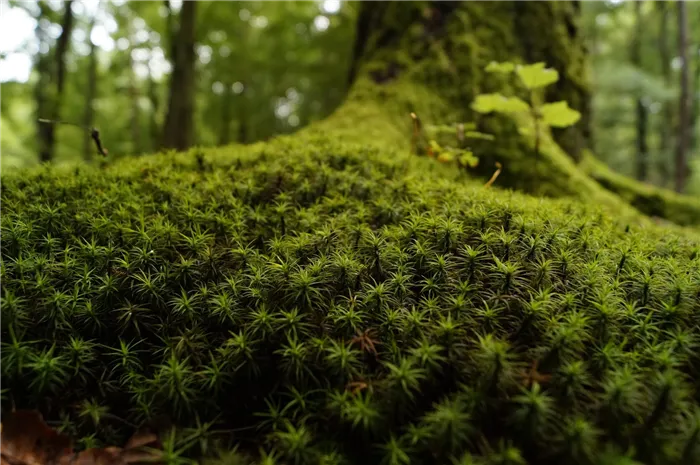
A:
(495, 175)
(94, 133)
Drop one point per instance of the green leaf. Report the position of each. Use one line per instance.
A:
(559, 115)
(467, 158)
(479, 135)
(486, 103)
(536, 75)
(501, 68)
(445, 157)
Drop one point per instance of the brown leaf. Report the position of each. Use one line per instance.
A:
(27, 440)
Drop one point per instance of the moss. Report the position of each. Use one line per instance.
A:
(380, 113)
(335, 300)
(650, 200)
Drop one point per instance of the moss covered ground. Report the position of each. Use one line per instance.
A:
(314, 300)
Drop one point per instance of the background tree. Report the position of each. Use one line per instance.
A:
(91, 94)
(636, 58)
(666, 107)
(178, 132)
(684, 99)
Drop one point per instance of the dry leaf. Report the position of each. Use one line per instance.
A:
(28, 440)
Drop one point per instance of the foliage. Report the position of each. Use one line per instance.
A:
(609, 29)
(452, 146)
(262, 69)
(533, 78)
(326, 302)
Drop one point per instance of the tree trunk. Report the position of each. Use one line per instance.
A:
(53, 102)
(684, 101)
(440, 50)
(225, 128)
(667, 111)
(243, 115)
(61, 49)
(89, 119)
(429, 58)
(154, 133)
(179, 131)
(642, 117)
(134, 96)
(695, 106)
(45, 132)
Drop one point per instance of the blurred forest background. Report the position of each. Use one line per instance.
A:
(266, 68)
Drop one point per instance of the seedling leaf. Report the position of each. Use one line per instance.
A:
(559, 114)
(501, 68)
(536, 75)
(486, 103)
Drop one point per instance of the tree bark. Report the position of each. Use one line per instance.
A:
(154, 132)
(684, 100)
(695, 106)
(53, 103)
(134, 117)
(89, 119)
(61, 49)
(667, 110)
(225, 128)
(178, 132)
(243, 114)
(45, 134)
(641, 111)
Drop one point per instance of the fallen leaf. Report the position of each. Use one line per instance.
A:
(28, 440)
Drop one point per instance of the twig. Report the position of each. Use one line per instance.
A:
(495, 175)
(94, 133)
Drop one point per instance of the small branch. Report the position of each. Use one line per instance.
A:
(495, 175)
(94, 133)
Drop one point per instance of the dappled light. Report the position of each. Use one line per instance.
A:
(244, 69)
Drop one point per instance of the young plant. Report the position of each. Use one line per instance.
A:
(446, 143)
(534, 78)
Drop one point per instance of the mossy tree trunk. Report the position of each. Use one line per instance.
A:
(429, 58)
(443, 48)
